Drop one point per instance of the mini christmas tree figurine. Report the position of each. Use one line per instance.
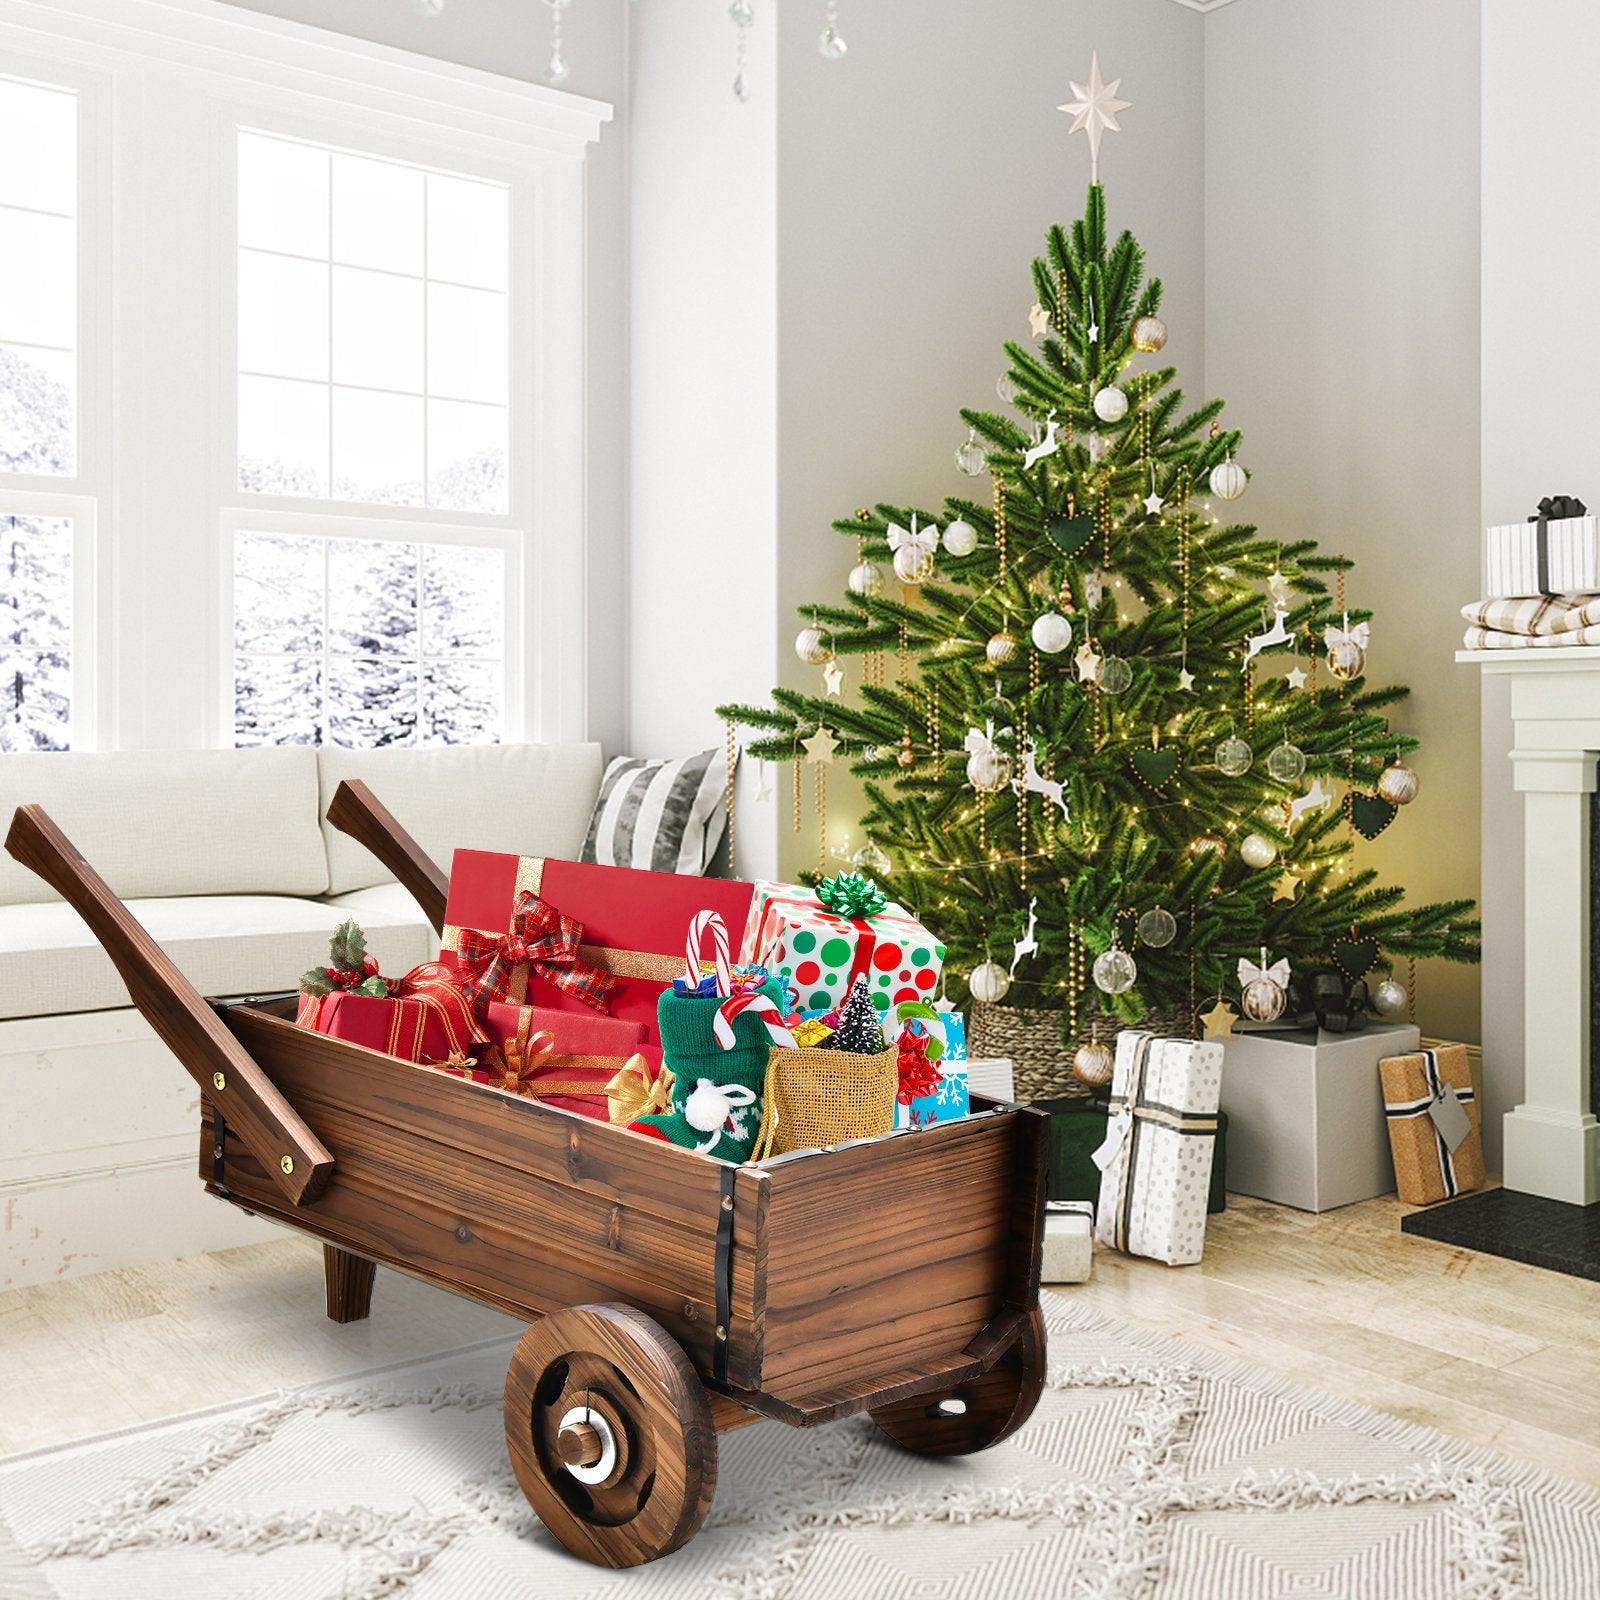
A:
(1105, 695)
(859, 1030)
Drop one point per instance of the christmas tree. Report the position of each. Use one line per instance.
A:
(1109, 736)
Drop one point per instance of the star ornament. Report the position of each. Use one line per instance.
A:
(1286, 887)
(1296, 678)
(1088, 665)
(1094, 111)
(833, 677)
(820, 746)
(1186, 680)
(1038, 320)
(1153, 503)
(1219, 1020)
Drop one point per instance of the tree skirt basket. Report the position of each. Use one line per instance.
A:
(1031, 1040)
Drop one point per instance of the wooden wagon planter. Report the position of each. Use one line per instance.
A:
(671, 1296)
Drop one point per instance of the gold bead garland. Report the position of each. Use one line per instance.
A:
(1000, 522)
(797, 794)
(821, 795)
(730, 748)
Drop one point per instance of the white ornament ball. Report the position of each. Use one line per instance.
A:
(1051, 633)
(1111, 404)
(1258, 851)
(706, 1109)
(1398, 784)
(1114, 971)
(809, 646)
(1389, 998)
(989, 770)
(960, 538)
(1228, 480)
(866, 578)
(912, 565)
(1287, 762)
(989, 983)
(1149, 334)
(1263, 1000)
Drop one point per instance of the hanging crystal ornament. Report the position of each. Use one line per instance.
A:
(866, 578)
(557, 71)
(831, 46)
(1115, 675)
(971, 457)
(872, 858)
(1287, 763)
(1114, 971)
(1233, 757)
(743, 14)
(1158, 928)
(1006, 387)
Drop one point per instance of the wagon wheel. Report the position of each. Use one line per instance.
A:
(610, 1434)
(978, 1413)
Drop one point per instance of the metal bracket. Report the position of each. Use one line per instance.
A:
(219, 1153)
(724, 1275)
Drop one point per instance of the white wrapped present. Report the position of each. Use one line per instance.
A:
(1556, 551)
(1068, 1242)
(1155, 1164)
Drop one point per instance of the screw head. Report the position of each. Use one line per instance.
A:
(722, 1332)
(727, 1202)
(219, 1080)
(287, 1163)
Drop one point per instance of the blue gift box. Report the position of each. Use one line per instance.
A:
(950, 1100)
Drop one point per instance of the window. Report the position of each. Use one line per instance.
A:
(35, 633)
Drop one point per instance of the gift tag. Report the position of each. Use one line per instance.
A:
(1116, 1132)
(1451, 1119)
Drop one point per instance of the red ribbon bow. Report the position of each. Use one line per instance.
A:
(541, 937)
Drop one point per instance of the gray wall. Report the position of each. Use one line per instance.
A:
(512, 37)
(1342, 328)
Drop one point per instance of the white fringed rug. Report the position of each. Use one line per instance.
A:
(1152, 1470)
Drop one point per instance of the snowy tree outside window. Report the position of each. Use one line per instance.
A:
(35, 633)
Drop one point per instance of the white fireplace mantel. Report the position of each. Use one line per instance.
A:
(1552, 1140)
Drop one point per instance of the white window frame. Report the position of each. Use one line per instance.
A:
(166, 85)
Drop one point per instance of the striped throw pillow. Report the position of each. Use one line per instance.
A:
(664, 816)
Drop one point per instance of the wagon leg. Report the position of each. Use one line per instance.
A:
(980, 1412)
(610, 1433)
(349, 1283)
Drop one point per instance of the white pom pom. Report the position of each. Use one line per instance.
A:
(706, 1108)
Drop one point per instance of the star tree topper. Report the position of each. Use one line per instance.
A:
(1094, 111)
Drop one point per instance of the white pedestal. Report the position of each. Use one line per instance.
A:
(1552, 1141)
(1305, 1117)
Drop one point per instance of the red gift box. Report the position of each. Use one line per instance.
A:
(633, 922)
(413, 1028)
(573, 1057)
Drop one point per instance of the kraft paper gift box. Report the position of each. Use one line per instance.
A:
(952, 1098)
(632, 926)
(788, 930)
(1546, 555)
(1434, 1131)
(426, 1020)
(1156, 1159)
(570, 1065)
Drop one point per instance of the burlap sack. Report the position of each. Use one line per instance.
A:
(820, 1097)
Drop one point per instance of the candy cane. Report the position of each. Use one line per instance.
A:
(719, 939)
(771, 1020)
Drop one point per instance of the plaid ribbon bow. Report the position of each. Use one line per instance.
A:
(541, 937)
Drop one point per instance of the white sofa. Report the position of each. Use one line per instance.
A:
(223, 855)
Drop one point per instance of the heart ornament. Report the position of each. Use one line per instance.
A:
(1354, 957)
(1156, 767)
(1370, 814)
(1070, 534)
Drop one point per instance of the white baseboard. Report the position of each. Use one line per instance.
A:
(99, 1152)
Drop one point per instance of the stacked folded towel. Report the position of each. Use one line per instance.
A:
(1536, 622)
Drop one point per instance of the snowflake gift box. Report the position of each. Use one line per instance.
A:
(822, 952)
(1155, 1164)
(952, 1099)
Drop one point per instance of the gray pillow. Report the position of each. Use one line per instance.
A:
(664, 816)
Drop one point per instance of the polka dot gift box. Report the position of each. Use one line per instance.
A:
(822, 939)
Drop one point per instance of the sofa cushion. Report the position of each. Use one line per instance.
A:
(527, 799)
(224, 944)
(378, 900)
(174, 822)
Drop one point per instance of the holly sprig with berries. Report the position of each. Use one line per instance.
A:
(350, 969)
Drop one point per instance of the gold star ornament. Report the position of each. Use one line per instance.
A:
(820, 746)
(1093, 110)
(1286, 887)
(1219, 1020)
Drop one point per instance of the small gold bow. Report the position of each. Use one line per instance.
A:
(632, 1094)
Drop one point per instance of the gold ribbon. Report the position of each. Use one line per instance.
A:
(632, 1094)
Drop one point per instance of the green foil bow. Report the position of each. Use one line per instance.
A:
(851, 894)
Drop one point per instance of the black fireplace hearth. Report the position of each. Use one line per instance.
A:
(1520, 1227)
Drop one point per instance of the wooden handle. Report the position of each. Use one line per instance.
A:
(272, 1130)
(357, 811)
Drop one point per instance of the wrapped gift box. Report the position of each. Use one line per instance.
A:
(585, 1053)
(788, 930)
(1078, 1129)
(951, 1099)
(427, 1025)
(1306, 1125)
(1544, 556)
(1157, 1155)
(633, 923)
(1068, 1242)
(1434, 1124)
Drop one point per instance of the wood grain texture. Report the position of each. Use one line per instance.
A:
(349, 1282)
(615, 1360)
(298, 1163)
(992, 1404)
(357, 811)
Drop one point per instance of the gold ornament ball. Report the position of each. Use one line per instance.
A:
(1258, 851)
(1110, 404)
(1208, 844)
(809, 646)
(912, 565)
(866, 578)
(1346, 660)
(1228, 480)
(989, 983)
(1398, 784)
(1263, 1000)
(989, 771)
(1149, 334)
(1001, 650)
(1092, 1064)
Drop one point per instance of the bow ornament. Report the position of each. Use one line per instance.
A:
(1359, 635)
(1277, 973)
(712, 1106)
(541, 938)
(924, 541)
(632, 1093)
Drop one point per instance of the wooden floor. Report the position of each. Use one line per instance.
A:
(1489, 1350)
